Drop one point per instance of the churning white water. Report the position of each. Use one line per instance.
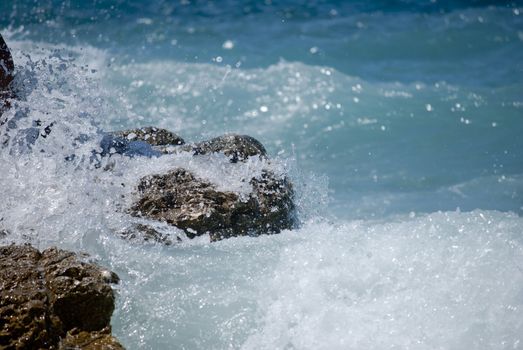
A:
(367, 273)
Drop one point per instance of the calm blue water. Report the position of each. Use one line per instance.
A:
(400, 121)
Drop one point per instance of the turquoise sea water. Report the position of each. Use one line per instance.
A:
(399, 121)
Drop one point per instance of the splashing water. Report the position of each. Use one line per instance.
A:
(406, 163)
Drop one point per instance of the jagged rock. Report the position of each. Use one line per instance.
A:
(152, 135)
(97, 340)
(275, 202)
(237, 147)
(196, 206)
(7, 66)
(45, 295)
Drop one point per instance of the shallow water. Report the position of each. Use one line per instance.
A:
(399, 124)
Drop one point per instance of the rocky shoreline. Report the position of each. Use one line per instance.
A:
(53, 300)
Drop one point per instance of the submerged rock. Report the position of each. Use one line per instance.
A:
(198, 207)
(111, 144)
(50, 296)
(146, 233)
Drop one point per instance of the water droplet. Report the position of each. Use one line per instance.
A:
(356, 88)
(145, 21)
(228, 45)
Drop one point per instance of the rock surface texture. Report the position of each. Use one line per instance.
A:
(51, 300)
(7, 66)
(237, 147)
(146, 233)
(198, 207)
(151, 135)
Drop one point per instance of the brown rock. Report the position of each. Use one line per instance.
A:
(45, 295)
(237, 147)
(97, 340)
(196, 206)
(152, 135)
(146, 233)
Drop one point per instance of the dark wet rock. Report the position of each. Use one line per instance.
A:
(146, 233)
(7, 66)
(198, 207)
(152, 135)
(45, 295)
(237, 147)
(275, 202)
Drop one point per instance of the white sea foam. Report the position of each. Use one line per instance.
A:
(445, 280)
(442, 281)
